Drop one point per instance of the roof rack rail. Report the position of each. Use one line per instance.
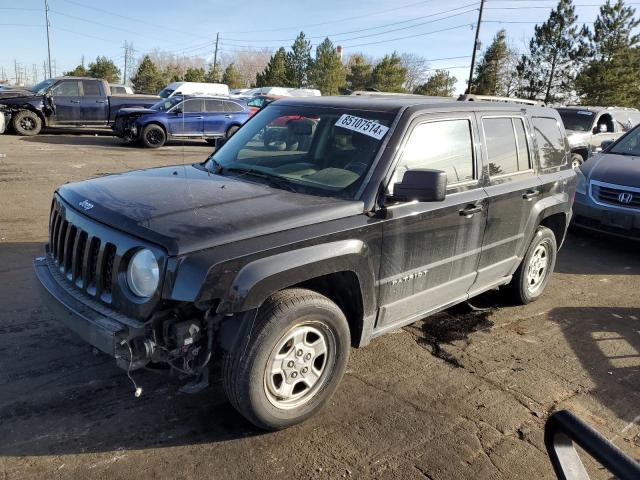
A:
(489, 98)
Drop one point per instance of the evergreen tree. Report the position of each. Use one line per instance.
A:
(148, 78)
(105, 69)
(389, 75)
(299, 62)
(275, 73)
(610, 77)
(213, 74)
(493, 73)
(232, 77)
(328, 74)
(440, 84)
(548, 72)
(194, 75)
(359, 75)
(79, 71)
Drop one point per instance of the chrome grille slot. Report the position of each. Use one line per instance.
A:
(609, 194)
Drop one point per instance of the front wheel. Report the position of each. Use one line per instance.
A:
(153, 136)
(576, 160)
(291, 363)
(26, 123)
(532, 276)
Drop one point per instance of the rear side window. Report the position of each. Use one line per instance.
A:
(91, 88)
(213, 105)
(114, 90)
(502, 148)
(232, 107)
(551, 142)
(441, 145)
(192, 106)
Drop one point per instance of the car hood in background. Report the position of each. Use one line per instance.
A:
(135, 110)
(613, 168)
(185, 209)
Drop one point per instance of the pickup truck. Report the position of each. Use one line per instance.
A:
(66, 102)
(379, 212)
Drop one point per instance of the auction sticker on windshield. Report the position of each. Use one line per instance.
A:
(362, 125)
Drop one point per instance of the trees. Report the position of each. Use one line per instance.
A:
(416, 67)
(275, 73)
(494, 70)
(610, 76)
(389, 75)
(440, 84)
(195, 75)
(79, 71)
(548, 71)
(359, 72)
(232, 77)
(148, 79)
(299, 62)
(213, 75)
(105, 69)
(328, 74)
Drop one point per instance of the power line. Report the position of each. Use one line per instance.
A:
(410, 36)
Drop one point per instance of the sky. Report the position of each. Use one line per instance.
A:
(440, 31)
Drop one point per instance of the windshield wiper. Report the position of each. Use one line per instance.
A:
(274, 180)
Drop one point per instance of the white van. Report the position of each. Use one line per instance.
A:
(194, 88)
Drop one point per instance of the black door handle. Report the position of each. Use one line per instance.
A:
(531, 194)
(470, 210)
(74, 101)
(227, 116)
(101, 101)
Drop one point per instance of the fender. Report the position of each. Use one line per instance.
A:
(257, 280)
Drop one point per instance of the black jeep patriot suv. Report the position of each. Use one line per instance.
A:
(359, 216)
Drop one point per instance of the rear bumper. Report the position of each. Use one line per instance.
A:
(95, 324)
(610, 220)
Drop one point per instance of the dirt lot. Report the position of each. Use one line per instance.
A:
(463, 394)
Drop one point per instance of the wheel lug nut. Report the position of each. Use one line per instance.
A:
(290, 364)
(294, 374)
(305, 370)
(299, 353)
(307, 356)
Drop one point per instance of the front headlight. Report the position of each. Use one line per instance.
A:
(143, 273)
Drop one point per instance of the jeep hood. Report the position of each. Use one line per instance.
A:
(17, 94)
(613, 168)
(185, 209)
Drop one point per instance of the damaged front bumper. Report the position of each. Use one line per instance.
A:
(101, 327)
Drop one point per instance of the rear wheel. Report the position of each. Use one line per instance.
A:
(231, 131)
(292, 362)
(26, 123)
(532, 276)
(153, 136)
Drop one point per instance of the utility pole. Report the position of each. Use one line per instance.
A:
(215, 54)
(46, 16)
(475, 47)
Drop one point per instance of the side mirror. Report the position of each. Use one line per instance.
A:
(177, 111)
(601, 128)
(423, 185)
(606, 144)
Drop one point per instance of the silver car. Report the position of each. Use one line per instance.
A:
(588, 127)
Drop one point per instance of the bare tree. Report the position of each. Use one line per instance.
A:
(417, 70)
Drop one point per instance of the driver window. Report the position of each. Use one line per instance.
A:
(68, 88)
(605, 121)
(440, 145)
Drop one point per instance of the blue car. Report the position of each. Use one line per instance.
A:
(209, 118)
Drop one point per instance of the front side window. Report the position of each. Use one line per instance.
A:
(501, 145)
(68, 88)
(551, 142)
(440, 145)
(164, 105)
(321, 151)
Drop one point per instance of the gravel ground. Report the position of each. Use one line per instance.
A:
(463, 394)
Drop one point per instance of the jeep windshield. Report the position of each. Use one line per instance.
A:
(322, 151)
(576, 120)
(628, 145)
(164, 105)
(40, 88)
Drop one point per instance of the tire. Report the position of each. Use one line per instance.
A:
(576, 160)
(153, 136)
(288, 394)
(531, 279)
(26, 123)
(231, 131)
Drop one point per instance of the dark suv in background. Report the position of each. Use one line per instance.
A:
(374, 213)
